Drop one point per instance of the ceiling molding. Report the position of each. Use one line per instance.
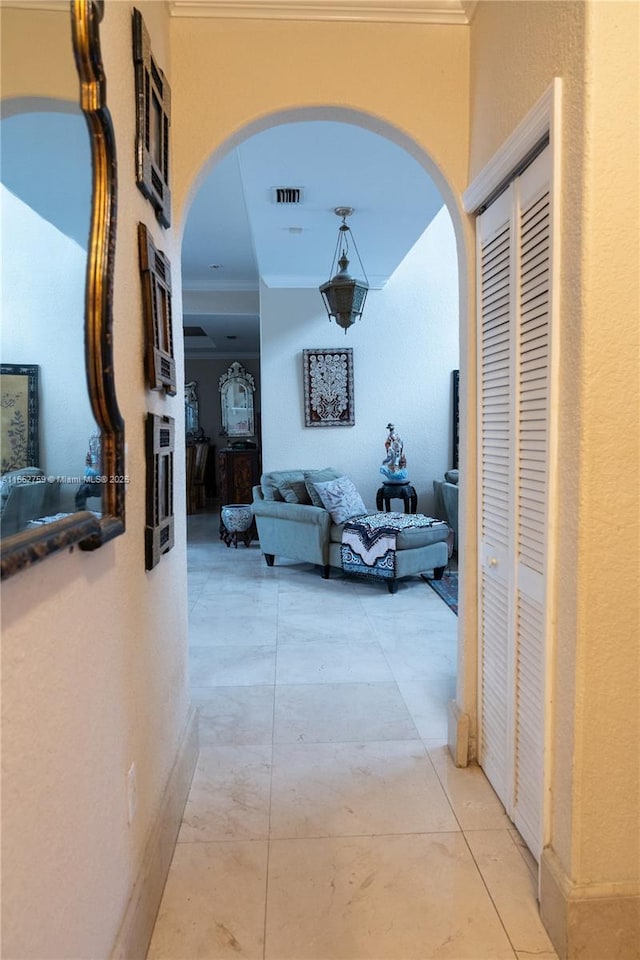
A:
(220, 355)
(53, 6)
(457, 12)
(300, 282)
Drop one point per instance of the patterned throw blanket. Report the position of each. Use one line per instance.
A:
(369, 543)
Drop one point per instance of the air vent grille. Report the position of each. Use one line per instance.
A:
(286, 195)
(194, 332)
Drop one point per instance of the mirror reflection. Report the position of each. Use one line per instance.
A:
(50, 456)
(236, 398)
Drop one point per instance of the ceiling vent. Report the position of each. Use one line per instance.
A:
(194, 332)
(286, 195)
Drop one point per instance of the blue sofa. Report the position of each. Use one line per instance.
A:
(290, 524)
(445, 493)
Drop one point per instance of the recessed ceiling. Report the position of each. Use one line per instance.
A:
(236, 234)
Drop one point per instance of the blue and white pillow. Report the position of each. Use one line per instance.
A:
(341, 499)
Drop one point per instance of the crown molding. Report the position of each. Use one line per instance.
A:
(52, 6)
(384, 11)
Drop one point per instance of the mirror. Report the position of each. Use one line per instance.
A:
(191, 410)
(236, 400)
(62, 438)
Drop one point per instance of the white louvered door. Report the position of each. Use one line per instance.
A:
(496, 236)
(514, 246)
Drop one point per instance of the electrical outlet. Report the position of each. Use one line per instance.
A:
(132, 792)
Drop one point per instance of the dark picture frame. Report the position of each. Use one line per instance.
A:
(328, 387)
(155, 273)
(456, 416)
(153, 119)
(159, 529)
(19, 442)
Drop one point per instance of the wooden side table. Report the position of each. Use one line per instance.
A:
(239, 473)
(397, 491)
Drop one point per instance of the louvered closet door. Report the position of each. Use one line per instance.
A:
(532, 466)
(496, 239)
(514, 253)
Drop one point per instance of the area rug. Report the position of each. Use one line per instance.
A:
(447, 588)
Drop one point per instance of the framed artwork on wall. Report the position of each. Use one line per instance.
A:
(155, 271)
(19, 400)
(328, 387)
(456, 417)
(159, 530)
(153, 118)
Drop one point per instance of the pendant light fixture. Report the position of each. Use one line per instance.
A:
(343, 296)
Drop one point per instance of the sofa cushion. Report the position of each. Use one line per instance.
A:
(311, 477)
(15, 478)
(341, 499)
(278, 482)
(294, 491)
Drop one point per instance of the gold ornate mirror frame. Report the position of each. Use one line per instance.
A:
(84, 528)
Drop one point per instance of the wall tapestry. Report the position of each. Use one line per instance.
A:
(328, 388)
(19, 401)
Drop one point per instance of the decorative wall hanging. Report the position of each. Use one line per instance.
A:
(19, 402)
(328, 388)
(155, 271)
(159, 532)
(456, 417)
(153, 117)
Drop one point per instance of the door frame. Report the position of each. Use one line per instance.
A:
(542, 123)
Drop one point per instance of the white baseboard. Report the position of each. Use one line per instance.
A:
(588, 921)
(135, 932)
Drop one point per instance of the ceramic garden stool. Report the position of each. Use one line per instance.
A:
(236, 522)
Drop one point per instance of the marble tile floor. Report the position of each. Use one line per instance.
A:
(326, 820)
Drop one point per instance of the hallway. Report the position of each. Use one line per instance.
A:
(326, 819)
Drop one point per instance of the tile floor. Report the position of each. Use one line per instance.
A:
(326, 820)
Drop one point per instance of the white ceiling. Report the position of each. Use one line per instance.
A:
(235, 225)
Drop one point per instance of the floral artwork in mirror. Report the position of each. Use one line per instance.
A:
(236, 400)
(59, 206)
(153, 117)
(19, 446)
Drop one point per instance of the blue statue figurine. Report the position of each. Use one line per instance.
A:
(394, 465)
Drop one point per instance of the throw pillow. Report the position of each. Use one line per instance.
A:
(273, 482)
(294, 491)
(311, 477)
(341, 499)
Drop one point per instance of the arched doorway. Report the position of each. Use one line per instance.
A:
(432, 175)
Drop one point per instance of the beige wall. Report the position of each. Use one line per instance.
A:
(235, 73)
(516, 50)
(93, 648)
